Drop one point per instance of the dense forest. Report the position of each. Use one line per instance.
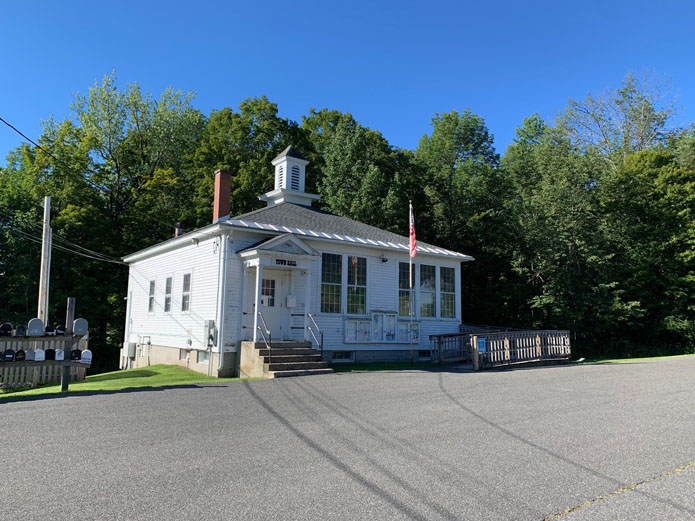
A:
(584, 223)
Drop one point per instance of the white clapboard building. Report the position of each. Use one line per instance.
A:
(194, 299)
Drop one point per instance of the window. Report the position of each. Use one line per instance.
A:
(428, 291)
(404, 291)
(268, 292)
(167, 295)
(447, 289)
(357, 286)
(183, 354)
(341, 356)
(150, 305)
(186, 293)
(203, 357)
(331, 282)
(424, 354)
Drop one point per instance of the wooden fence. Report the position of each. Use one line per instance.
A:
(501, 348)
(39, 372)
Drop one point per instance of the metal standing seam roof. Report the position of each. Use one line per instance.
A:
(312, 222)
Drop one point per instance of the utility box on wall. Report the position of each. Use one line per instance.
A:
(209, 333)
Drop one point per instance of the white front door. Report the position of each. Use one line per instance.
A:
(274, 286)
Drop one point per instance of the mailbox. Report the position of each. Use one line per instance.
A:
(39, 355)
(8, 355)
(75, 354)
(35, 327)
(20, 356)
(60, 354)
(86, 357)
(49, 331)
(30, 355)
(6, 329)
(21, 331)
(50, 354)
(80, 327)
(60, 330)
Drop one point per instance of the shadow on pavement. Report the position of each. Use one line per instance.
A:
(50, 396)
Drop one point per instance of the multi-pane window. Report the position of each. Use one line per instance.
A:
(167, 295)
(357, 286)
(447, 288)
(331, 282)
(405, 293)
(428, 291)
(150, 304)
(186, 293)
(268, 292)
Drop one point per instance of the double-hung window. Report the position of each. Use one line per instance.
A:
(405, 293)
(357, 286)
(331, 282)
(428, 291)
(167, 295)
(150, 298)
(447, 292)
(186, 293)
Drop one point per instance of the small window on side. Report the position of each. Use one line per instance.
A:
(167, 295)
(186, 293)
(150, 304)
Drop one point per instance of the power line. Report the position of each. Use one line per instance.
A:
(153, 219)
(28, 139)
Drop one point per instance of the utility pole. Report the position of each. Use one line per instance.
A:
(44, 281)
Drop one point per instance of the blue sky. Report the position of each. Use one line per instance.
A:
(393, 65)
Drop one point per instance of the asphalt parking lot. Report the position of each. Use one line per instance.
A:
(587, 442)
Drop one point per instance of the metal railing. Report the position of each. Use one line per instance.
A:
(313, 333)
(268, 341)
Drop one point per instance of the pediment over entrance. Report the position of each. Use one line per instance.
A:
(286, 243)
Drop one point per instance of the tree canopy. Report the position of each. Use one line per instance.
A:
(585, 223)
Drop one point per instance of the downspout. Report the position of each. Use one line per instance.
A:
(221, 301)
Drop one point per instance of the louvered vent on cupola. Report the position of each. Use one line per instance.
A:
(294, 184)
(280, 178)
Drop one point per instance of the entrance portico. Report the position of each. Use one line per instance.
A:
(277, 282)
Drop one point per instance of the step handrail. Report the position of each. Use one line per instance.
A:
(318, 329)
(268, 341)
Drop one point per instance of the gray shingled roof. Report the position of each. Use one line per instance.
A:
(305, 217)
(290, 151)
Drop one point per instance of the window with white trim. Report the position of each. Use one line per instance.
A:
(331, 282)
(405, 294)
(167, 294)
(150, 298)
(428, 291)
(447, 292)
(186, 293)
(357, 286)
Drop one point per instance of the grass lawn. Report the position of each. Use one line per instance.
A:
(380, 366)
(629, 360)
(153, 376)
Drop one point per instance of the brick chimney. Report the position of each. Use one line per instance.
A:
(223, 192)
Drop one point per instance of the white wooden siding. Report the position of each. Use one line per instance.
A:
(176, 328)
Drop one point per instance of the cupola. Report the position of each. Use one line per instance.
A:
(290, 178)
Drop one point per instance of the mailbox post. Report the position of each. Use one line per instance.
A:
(69, 317)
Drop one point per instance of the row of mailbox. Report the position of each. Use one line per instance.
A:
(35, 327)
(39, 355)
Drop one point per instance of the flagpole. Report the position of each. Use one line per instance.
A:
(410, 280)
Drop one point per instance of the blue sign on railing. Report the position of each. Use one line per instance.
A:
(481, 345)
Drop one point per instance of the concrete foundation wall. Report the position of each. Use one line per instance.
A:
(146, 356)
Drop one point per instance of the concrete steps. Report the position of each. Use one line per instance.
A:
(281, 360)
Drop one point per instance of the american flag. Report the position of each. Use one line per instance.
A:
(413, 242)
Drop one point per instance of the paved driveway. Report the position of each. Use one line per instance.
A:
(523, 444)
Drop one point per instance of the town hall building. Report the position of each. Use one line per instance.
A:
(287, 275)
